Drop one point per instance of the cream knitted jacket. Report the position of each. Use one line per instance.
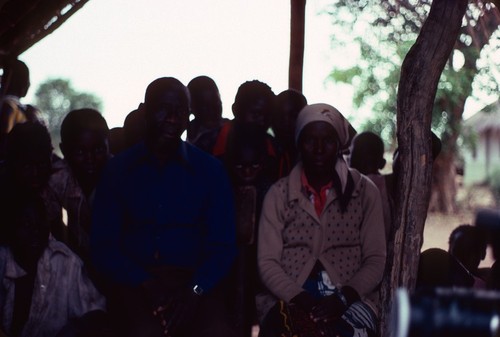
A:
(350, 246)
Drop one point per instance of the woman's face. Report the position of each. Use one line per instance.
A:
(318, 146)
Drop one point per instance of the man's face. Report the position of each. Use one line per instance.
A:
(167, 117)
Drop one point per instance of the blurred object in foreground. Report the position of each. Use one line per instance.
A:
(489, 221)
(446, 312)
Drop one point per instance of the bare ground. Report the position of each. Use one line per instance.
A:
(438, 226)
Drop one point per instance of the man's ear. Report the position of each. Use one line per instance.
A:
(234, 108)
(64, 149)
(382, 163)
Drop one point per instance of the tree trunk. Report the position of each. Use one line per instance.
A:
(420, 74)
(297, 28)
(444, 189)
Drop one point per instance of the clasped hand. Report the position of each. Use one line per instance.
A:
(177, 311)
(323, 309)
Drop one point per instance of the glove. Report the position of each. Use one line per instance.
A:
(333, 306)
(305, 301)
(336, 328)
(329, 307)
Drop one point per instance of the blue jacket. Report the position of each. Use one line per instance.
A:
(180, 214)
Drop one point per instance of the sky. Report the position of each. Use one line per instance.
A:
(115, 48)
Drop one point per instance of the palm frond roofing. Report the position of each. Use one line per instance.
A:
(25, 22)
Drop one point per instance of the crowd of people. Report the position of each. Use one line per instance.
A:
(277, 218)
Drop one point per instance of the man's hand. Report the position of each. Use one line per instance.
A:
(178, 311)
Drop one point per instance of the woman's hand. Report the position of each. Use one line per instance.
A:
(305, 301)
(329, 307)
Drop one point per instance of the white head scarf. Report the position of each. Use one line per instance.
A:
(326, 113)
(345, 132)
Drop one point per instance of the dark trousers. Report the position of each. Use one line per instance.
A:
(132, 310)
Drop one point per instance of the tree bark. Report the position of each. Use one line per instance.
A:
(420, 74)
(297, 29)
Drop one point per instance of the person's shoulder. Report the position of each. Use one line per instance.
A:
(284, 188)
(55, 246)
(61, 173)
(206, 139)
(4, 252)
(10, 100)
(197, 156)
(57, 250)
(127, 158)
(362, 183)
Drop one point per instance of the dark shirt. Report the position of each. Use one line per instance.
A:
(180, 214)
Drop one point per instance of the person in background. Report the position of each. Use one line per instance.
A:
(493, 281)
(14, 86)
(253, 105)
(85, 146)
(28, 168)
(287, 107)
(163, 229)
(468, 245)
(321, 243)
(116, 140)
(43, 286)
(133, 127)
(206, 106)
(246, 160)
(367, 156)
(438, 268)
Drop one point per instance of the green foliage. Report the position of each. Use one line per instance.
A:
(384, 31)
(56, 97)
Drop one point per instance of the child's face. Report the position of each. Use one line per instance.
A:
(88, 155)
(33, 172)
(285, 117)
(257, 112)
(247, 166)
(207, 105)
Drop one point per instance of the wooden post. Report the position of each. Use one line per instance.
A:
(420, 75)
(297, 28)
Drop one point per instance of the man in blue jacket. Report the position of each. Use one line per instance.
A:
(163, 232)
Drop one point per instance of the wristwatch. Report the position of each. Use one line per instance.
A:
(198, 290)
